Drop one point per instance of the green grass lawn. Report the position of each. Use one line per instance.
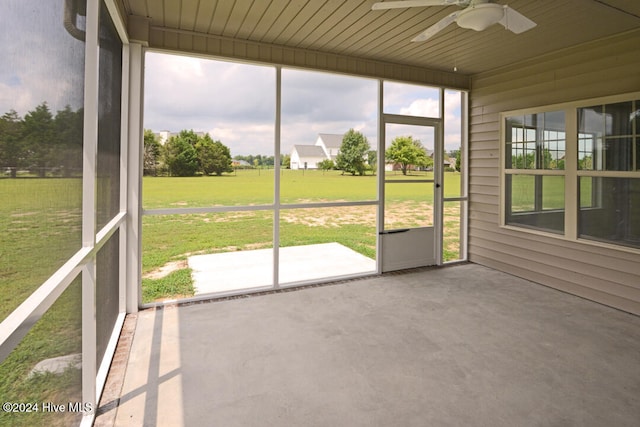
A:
(40, 226)
(40, 232)
(172, 238)
(255, 187)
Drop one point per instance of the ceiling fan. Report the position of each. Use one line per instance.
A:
(476, 15)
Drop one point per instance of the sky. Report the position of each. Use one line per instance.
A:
(46, 63)
(235, 103)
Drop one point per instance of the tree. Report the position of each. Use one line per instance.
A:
(326, 164)
(523, 161)
(39, 137)
(372, 160)
(12, 149)
(353, 151)
(585, 163)
(285, 161)
(180, 154)
(68, 125)
(213, 156)
(456, 155)
(151, 154)
(407, 152)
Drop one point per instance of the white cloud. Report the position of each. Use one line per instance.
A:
(236, 103)
(452, 120)
(192, 93)
(422, 107)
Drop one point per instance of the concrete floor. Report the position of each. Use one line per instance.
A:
(462, 345)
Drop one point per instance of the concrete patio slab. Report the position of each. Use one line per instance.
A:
(214, 273)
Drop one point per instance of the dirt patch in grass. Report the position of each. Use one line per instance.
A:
(165, 270)
(397, 214)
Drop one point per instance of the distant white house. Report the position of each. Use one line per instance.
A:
(306, 156)
(326, 147)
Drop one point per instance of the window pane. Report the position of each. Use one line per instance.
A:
(635, 120)
(605, 137)
(329, 131)
(553, 141)
(41, 116)
(109, 100)
(320, 243)
(513, 129)
(411, 100)
(210, 127)
(637, 153)
(588, 155)
(617, 154)
(615, 217)
(536, 141)
(618, 119)
(535, 201)
(591, 120)
(521, 193)
(552, 193)
(46, 366)
(589, 190)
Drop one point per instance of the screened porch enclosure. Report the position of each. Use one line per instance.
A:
(532, 169)
(263, 221)
(64, 193)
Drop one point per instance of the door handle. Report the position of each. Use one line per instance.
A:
(400, 230)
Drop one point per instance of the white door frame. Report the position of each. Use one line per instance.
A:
(414, 247)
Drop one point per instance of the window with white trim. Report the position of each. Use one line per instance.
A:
(609, 173)
(578, 162)
(534, 170)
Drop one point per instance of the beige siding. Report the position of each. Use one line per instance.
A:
(609, 67)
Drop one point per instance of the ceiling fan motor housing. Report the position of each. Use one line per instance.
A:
(480, 16)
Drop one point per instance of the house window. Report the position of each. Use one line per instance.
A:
(609, 183)
(534, 170)
(599, 165)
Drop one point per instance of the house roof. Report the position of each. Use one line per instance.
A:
(349, 28)
(309, 150)
(331, 140)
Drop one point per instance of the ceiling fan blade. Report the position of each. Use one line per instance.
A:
(515, 21)
(416, 3)
(436, 28)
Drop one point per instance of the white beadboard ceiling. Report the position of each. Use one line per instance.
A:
(351, 28)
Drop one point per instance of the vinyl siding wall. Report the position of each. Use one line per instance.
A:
(607, 275)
